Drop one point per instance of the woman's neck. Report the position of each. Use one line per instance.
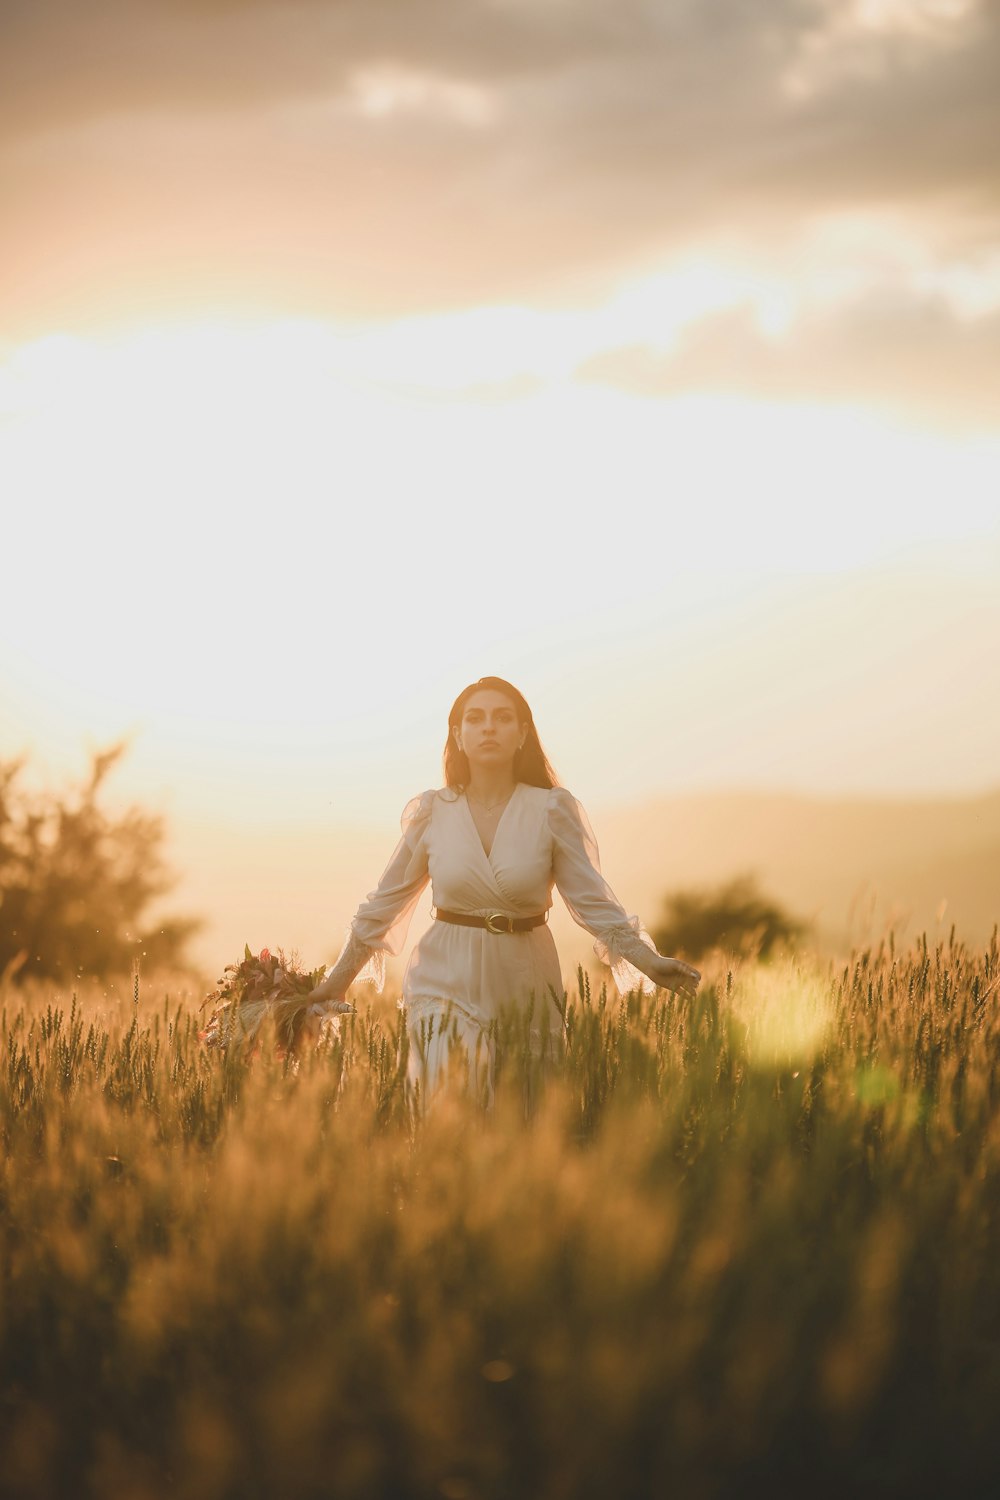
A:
(491, 786)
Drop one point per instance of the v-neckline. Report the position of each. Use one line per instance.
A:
(488, 853)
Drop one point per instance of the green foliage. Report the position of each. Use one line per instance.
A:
(76, 883)
(734, 1244)
(736, 917)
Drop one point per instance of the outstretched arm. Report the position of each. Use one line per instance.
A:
(622, 942)
(381, 922)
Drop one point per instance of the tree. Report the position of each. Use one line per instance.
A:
(736, 916)
(76, 883)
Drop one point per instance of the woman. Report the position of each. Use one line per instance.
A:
(492, 842)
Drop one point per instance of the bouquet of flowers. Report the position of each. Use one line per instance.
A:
(263, 987)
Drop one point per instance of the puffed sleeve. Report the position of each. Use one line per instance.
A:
(622, 941)
(382, 921)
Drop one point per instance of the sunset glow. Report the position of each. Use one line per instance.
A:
(161, 460)
(332, 383)
(499, 747)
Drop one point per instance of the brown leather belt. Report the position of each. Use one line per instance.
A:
(495, 921)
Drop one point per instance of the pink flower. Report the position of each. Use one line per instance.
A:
(265, 954)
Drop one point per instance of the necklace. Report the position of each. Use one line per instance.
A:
(492, 806)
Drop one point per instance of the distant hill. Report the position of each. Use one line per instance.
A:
(849, 866)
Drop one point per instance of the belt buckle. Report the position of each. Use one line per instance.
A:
(499, 916)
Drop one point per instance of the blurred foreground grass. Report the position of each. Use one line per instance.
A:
(739, 1243)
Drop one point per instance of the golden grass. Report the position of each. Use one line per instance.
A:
(745, 1240)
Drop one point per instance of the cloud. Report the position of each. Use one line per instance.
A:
(379, 156)
(909, 355)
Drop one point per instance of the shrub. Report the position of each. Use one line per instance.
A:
(76, 883)
(736, 916)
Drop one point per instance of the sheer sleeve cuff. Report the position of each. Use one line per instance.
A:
(358, 963)
(623, 947)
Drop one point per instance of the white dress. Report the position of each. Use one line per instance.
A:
(459, 978)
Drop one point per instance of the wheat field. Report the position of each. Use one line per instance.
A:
(737, 1244)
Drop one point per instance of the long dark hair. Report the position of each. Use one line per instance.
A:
(531, 764)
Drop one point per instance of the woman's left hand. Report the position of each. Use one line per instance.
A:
(672, 974)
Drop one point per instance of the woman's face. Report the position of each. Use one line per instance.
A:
(489, 731)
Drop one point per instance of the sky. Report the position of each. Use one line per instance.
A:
(644, 354)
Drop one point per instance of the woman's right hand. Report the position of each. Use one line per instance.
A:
(332, 1000)
(322, 1001)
